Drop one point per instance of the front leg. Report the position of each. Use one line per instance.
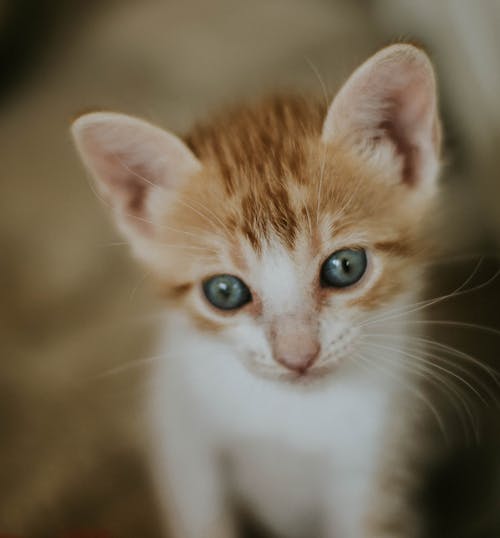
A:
(393, 504)
(191, 488)
(362, 506)
(371, 488)
(192, 492)
(346, 501)
(393, 510)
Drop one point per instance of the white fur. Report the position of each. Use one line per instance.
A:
(302, 457)
(277, 277)
(298, 453)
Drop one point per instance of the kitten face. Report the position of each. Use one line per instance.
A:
(293, 317)
(267, 194)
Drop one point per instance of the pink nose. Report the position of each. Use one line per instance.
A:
(300, 360)
(294, 341)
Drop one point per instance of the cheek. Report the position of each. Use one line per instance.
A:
(389, 279)
(248, 339)
(237, 330)
(337, 324)
(245, 340)
(398, 287)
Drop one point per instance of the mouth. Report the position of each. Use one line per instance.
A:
(314, 374)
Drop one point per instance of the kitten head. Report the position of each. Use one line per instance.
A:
(280, 229)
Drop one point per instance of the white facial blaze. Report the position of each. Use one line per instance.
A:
(289, 319)
(279, 280)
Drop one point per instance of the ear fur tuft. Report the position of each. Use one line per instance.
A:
(387, 110)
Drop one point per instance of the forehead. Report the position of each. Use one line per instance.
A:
(267, 179)
(267, 173)
(264, 140)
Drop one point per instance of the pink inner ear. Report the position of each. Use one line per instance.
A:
(407, 151)
(399, 133)
(124, 182)
(408, 121)
(391, 99)
(131, 160)
(134, 192)
(129, 185)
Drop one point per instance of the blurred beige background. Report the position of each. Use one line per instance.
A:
(74, 309)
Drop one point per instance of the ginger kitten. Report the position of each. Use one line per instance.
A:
(286, 239)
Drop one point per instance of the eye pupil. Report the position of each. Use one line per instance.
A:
(224, 289)
(343, 268)
(226, 292)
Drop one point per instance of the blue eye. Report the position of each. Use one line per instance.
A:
(343, 268)
(226, 292)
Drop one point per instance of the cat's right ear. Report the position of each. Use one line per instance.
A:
(387, 111)
(135, 165)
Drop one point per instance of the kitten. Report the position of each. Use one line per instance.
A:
(288, 240)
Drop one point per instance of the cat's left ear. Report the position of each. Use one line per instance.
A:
(137, 167)
(387, 111)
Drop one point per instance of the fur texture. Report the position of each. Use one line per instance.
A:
(267, 193)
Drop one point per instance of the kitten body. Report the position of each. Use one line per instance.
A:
(297, 404)
(306, 460)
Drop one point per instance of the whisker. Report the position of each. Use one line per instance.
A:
(142, 279)
(480, 383)
(188, 247)
(326, 98)
(185, 232)
(453, 351)
(441, 382)
(415, 307)
(129, 365)
(403, 309)
(139, 176)
(448, 259)
(437, 366)
(114, 244)
(161, 187)
(204, 216)
(370, 365)
(422, 347)
(112, 208)
(461, 354)
(316, 72)
(321, 81)
(462, 324)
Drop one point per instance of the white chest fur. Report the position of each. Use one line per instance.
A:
(292, 449)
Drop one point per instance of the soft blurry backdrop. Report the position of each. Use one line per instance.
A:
(76, 314)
